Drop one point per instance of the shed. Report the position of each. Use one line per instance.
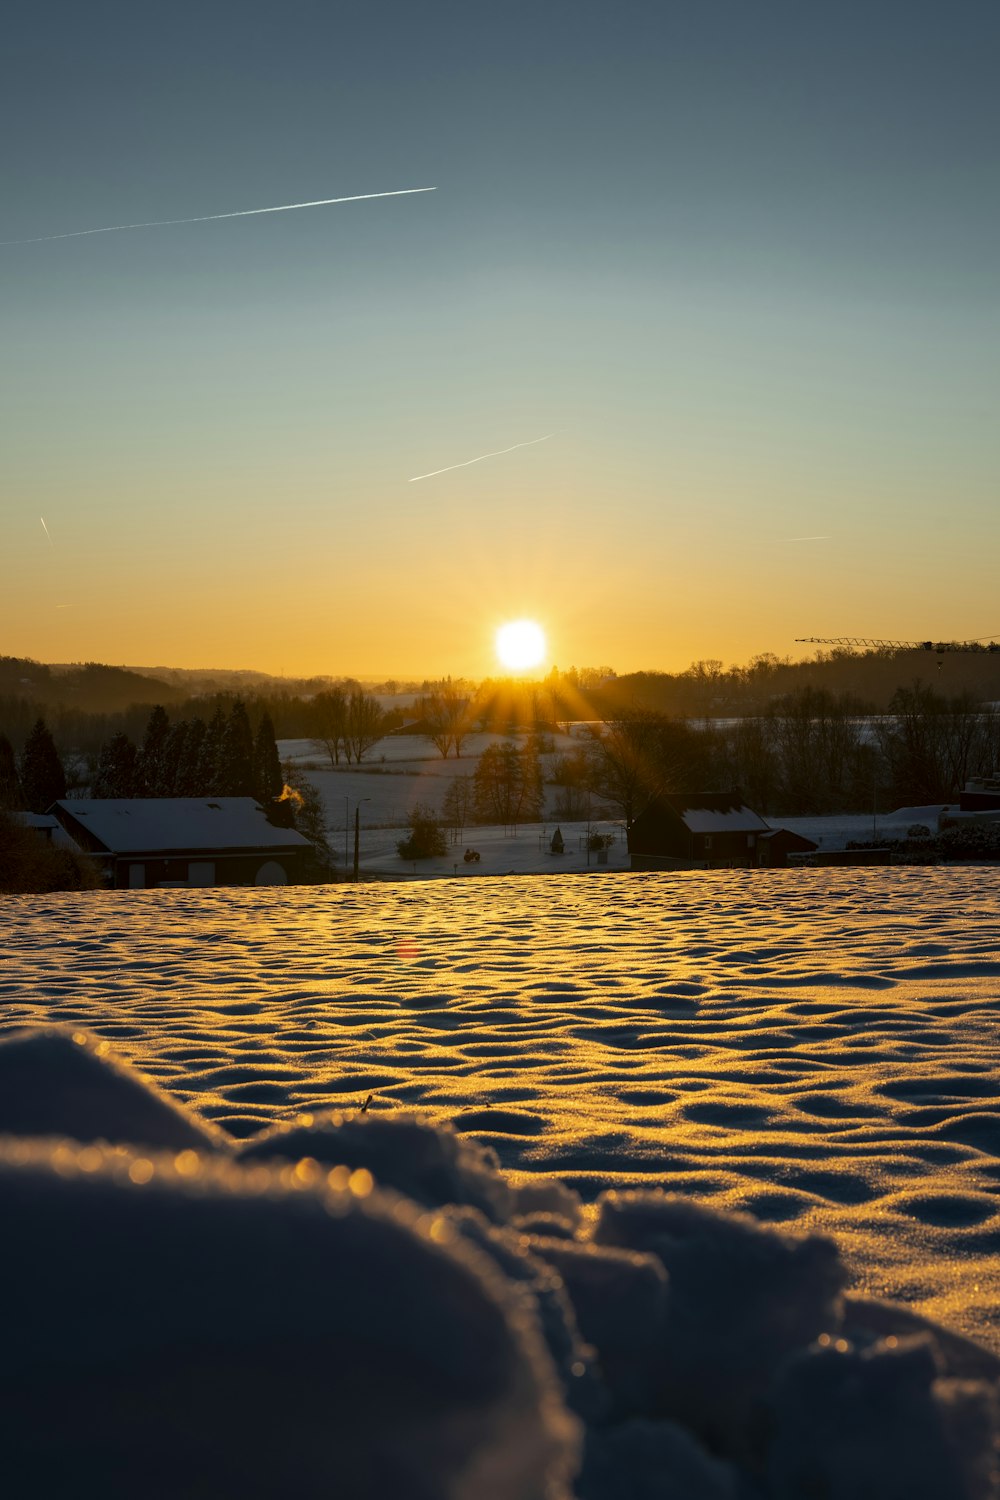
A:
(187, 841)
(774, 847)
(704, 830)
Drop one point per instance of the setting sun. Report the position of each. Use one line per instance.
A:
(520, 645)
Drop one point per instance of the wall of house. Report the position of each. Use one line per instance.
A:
(227, 869)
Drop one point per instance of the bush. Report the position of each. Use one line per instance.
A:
(426, 840)
(598, 841)
(29, 863)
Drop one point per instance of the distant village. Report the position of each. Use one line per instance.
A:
(478, 781)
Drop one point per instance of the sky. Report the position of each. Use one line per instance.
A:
(742, 262)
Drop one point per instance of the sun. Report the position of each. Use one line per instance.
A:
(520, 644)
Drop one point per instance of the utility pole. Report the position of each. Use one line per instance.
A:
(357, 838)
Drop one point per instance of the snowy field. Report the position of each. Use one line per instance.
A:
(404, 771)
(818, 1048)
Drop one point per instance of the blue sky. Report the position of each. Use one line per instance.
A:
(741, 260)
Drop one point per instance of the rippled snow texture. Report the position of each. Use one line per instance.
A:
(817, 1047)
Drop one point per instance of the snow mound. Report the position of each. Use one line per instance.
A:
(56, 1082)
(574, 1359)
(741, 1300)
(620, 1298)
(181, 1326)
(406, 1150)
(878, 1424)
(642, 1460)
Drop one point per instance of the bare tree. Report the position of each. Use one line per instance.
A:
(446, 712)
(643, 755)
(365, 724)
(328, 714)
(458, 805)
(508, 785)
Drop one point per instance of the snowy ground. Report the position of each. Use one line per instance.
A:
(403, 771)
(816, 1047)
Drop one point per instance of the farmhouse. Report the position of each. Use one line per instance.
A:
(707, 831)
(183, 841)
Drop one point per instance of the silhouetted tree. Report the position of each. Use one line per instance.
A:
(267, 777)
(328, 723)
(190, 767)
(508, 785)
(10, 784)
(151, 769)
(366, 724)
(643, 755)
(236, 770)
(933, 743)
(447, 714)
(43, 780)
(211, 770)
(116, 768)
(173, 755)
(458, 805)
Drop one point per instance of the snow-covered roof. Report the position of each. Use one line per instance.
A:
(715, 812)
(145, 824)
(41, 821)
(715, 820)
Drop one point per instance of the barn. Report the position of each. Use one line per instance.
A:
(143, 842)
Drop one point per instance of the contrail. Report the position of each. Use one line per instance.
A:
(46, 530)
(243, 213)
(805, 538)
(496, 454)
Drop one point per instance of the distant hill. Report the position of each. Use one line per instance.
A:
(90, 687)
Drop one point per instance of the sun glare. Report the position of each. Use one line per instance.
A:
(520, 645)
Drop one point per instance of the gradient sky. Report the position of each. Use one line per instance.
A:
(742, 260)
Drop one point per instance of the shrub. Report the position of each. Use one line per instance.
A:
(29, 863)
(426, 839)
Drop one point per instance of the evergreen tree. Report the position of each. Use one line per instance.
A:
(116, 768)
(189, 769)
(151, 773)
(267, 778)
(173, 754)
(211, 779)
(237, 754)
(10, 785)
(43, 780)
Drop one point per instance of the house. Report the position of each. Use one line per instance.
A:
(774, 847)
(44, 825)
(142, 842)
(708, 830)
(981, 794)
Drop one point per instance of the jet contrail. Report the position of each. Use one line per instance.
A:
(46, 530)
(496, 454)
(805, 538)
(243, 213)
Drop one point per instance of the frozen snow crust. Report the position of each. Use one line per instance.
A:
(195, 1316)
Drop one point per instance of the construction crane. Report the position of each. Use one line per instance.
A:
(872, 643)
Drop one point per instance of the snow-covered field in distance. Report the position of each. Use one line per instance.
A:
(402, 771)
(817, 1047)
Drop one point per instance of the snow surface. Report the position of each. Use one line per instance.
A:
(817, 1047)
(574, 1083)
